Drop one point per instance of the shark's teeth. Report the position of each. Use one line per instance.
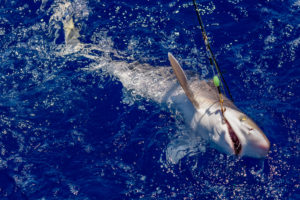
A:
(237, 146)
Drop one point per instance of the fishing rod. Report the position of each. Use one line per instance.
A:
(212, 58)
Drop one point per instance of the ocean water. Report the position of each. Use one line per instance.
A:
(69, 129)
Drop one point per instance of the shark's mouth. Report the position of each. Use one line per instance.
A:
(235, 140)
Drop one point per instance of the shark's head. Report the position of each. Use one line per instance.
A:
(233, 133)
(243, 136)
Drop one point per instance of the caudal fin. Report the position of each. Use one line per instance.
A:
(71, 32)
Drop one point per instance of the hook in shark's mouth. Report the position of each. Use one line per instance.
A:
(235, 140)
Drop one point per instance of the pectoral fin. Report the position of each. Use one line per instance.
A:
(181, 77)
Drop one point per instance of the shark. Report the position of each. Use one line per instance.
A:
(231, 131)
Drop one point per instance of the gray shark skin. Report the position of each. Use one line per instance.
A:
(233, 133)
(198, 100)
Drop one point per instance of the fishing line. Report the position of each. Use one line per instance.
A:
(211, 56)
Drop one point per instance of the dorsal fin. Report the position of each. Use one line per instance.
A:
(181, 77)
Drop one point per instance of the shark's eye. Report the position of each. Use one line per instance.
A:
(243, 118)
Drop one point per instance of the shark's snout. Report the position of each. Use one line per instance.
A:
(256, 144)
(253, 142)
(261, 148)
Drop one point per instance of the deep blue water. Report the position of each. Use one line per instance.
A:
(67, 132)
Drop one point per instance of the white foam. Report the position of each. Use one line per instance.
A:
(297, 3)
